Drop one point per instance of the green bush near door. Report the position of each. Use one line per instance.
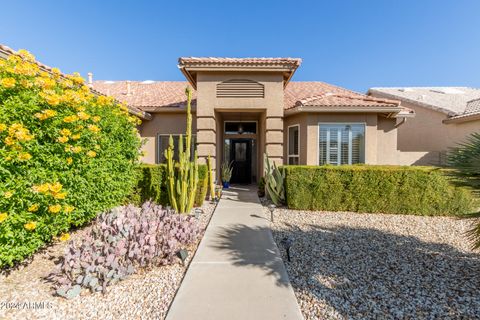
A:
(376, 189)
(151, 185)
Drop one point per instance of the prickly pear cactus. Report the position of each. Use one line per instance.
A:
(120, 242)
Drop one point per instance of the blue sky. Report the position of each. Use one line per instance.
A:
(355, 44)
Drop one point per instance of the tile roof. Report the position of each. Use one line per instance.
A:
(209, 61)
(153, 96)
(472, 112)
(147, 95)
(323, 94)
(452, 101)
(473, 106)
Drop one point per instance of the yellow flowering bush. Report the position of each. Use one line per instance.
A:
(65, 155)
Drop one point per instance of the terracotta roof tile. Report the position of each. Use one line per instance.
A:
(323, 94)
(152, 96)
(148, 96)
(289, 62)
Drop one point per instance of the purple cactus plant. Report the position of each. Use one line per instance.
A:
(122, 240)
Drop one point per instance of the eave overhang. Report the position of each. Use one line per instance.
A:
(390, 112)
(191, 66)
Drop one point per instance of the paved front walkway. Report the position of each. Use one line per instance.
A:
(237, 272)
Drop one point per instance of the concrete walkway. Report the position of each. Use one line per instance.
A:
(237, 272)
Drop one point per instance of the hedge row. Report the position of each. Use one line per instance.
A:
(152, 185)
(382, 189)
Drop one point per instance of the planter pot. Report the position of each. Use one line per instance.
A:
(226, 184)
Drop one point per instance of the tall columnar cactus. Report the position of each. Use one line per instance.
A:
(182, 175)
(211, 183)
(274, 182)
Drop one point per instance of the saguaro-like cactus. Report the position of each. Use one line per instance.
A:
(211, 183)
(274, 182)
(182, 176)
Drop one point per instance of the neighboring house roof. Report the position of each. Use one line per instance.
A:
(6, 51)
(455, 102)
(190, 66)
(154, 96)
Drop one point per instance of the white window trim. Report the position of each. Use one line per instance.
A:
(157, 142)
(349, 150)
(288, 144)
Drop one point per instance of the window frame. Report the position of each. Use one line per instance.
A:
(364, 124)
(288, 144)
(157, 152)
(239, 121)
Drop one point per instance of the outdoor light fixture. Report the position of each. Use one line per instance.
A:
(271, 208)
(198, 212)
(287, 243)
(183, 254)
(240, 129)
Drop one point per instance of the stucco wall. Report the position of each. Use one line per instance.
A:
(425, 139)
(270, 108)
(161, 123)
(380, 135)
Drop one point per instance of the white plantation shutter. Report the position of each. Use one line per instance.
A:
(341, 144)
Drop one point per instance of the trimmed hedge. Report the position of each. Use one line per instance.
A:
(376, 189)
(151, 185)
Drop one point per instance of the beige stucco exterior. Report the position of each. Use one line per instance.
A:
(212, 111)
(380, 135)
(161, 123)
(425, 139)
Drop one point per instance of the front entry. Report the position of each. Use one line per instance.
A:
(241, 155)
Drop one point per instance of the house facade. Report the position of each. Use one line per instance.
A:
(445, 117)
(245, 107)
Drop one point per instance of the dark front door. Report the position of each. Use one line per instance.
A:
(241, 155)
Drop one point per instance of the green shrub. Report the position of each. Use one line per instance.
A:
(202, 186)
(383, 189)
(148, 185)
(65, 155)
(152, 185)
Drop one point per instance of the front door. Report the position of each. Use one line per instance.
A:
(241, 155)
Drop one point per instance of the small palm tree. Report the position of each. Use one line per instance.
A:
(466, 159)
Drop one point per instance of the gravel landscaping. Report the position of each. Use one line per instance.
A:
(145, 295)
(377, 266)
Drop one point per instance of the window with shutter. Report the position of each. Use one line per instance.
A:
(341, 143)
